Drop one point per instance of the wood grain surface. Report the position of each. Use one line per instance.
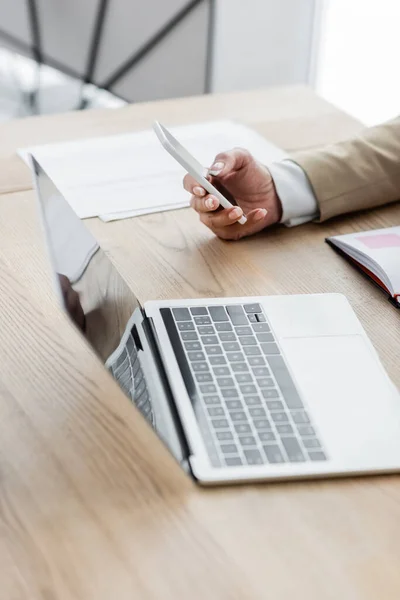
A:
(92, 506)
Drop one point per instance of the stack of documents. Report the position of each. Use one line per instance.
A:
(123, 176)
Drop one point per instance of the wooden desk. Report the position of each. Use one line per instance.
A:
(92, 505)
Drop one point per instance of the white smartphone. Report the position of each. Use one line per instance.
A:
(190, 164)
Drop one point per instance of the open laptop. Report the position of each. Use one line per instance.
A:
(239, 389)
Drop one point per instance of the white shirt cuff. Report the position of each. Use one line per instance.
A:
(299, 204)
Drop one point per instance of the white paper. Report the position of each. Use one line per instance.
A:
(132, 174)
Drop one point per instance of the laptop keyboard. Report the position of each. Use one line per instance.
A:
(246, 403)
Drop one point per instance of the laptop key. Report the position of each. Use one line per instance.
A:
(210, 400)
(257, 411)
(274, 454)
(252, 400)
(261, 372)
(261, 318)
(279, 417)
(256, 361)
(275, 405)
(311, 443)
(241, 428)
(204, 377)
(305, 430)
(217, 360)
(220, 371)
(285, 382)
(239, 367)
(265, 382)
(236, 314)
(223, 326)
(208, 388)
(243, 330)
(199, 366)
(229, 448)
(265, 337)
(229, 393)
(181, 314)
(261, 424)
(231, 347)
(212, 350)
(192, 346)
(231, 461)
(317, 456)
(233, 405)
(261, 327)
(252, 318)
(220, 424)
(224, 436)
(202, 320)
(253, 457)
(198, 310)
(195, 356)
(269, 393)
(225, 382)
(189, 336)
(185, 326)
(218, 313)
(267, 436)
(209, 340)
(235, 357)
(248, 388)
(243, 377)
(206, 330)
(270, 348)
(292, 449)
(300, 417)
(284, 429)
(252, 308)
(248, 340)
(248, 440)
(216, 411)
(238, 416)
(227, 336)
(252, 351)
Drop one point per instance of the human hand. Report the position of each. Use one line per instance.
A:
(72, 302)
(244, 182)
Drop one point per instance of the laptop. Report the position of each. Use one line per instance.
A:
(238, 389)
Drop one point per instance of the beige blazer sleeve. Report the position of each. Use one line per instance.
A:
(360, 173)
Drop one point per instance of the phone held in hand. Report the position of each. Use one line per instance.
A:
(190, 164)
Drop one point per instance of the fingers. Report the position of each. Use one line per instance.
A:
(227, 162)
(191, 186)
(225, 224)
(204, 204)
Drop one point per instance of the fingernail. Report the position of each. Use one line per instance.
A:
(211, 202)
(260, 214)
(236, 213)
(199, 191)
(216, 168)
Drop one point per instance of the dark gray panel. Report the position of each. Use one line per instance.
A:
(174, 68)
(67, 27)
(14, 20)
(128, 25)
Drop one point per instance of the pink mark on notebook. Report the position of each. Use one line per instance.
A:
(381, 240)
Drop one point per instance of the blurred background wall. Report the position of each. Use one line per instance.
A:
(59, 55)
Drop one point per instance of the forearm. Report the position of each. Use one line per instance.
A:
(357, 174)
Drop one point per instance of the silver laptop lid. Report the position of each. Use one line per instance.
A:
(103, 308)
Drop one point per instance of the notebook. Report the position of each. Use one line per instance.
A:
(377, 254)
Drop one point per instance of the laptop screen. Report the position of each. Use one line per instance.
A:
(101, 305)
